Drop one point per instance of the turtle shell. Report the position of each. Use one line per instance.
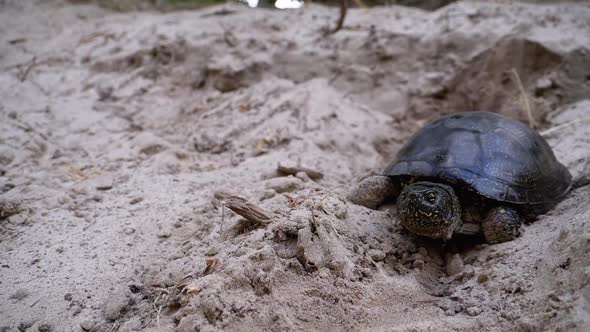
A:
(486, 153)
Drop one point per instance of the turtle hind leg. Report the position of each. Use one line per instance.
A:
(501, 224)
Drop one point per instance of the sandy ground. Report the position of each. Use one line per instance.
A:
(121, 135)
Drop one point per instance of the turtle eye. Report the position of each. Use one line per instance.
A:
(431, 198)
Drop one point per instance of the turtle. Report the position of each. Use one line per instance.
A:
(469, 173)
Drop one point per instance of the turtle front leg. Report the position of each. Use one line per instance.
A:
(372, 191)
(501, 224)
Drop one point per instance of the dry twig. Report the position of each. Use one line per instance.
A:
(525, 99)
(249, 211)
(340, 22)
(550, 131)
(23, 74)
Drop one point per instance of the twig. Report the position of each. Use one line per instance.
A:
(32, 305)
(286, 170)
(222, 218)
(23, 76)
(527, 105)
(550, 131)
(249, 211)
(340, 22)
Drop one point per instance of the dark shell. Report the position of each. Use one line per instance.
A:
(486, 153)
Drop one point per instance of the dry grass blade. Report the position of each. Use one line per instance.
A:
(340, 22)
(249, 211)
(551, 131)
(525, 98)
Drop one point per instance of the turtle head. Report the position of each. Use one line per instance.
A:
(430, 209)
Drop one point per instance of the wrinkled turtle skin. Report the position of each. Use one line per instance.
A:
(470, 172)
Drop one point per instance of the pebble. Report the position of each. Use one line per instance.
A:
(6, 156)
(376, 255)
(473, 311)
(267, 194)
(543, 84)
(63, 200)
(212, 251)
(76, 309)
(135, 200)
(303, 176)
(20, 294)
(87, 325)
(284, 184)
(422, 251)
(104, 182)
(45, 327)
(115, 306)
(335, 207)
(165, 232)
(418, 264)
(221, 195)
(482, 278)
(454, 265)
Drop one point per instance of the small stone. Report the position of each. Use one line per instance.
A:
(267, 194)
(543, 84)
(135, 200)
(9, 208)
(526, 324)
(164, 233)
(76, 309)
(6, 156)
(20, 294)
(418, 264)
(376, 255)
(129, 230)
(63, 200)
(68, 297)
(104, 92)
(335, 207)
(115, 306)
(26, 324)
(212, 251)
(104, 182)
(422, 251)
(284, 184)
(303, 176)
(416, 256)
(87, 325)
(482, 278)
(473, 311)
(454, 265)
(221, 195)
(45, 327)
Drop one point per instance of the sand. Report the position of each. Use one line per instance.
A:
(122, 135)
